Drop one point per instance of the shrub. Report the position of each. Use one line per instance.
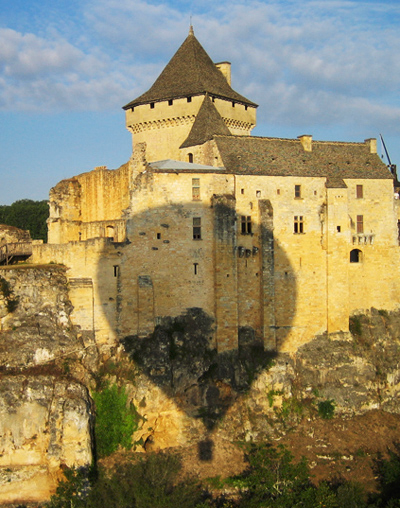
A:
(116, 420)
(145, 482)
(11, 300)
(326, 409)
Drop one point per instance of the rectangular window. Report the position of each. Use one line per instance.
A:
(195, 189)
(196, 228)
(297, 191)
(298, 224)
(246, 225)
(359, 192)
(360, 224)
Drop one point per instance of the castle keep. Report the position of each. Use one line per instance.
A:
(275, 239)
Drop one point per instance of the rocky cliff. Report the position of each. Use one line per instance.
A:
(187, 394)
(45, 413)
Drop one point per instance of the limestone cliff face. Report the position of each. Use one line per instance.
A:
(45, 413)
(186, 392)
(243, 396)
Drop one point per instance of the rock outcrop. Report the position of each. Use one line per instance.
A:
(45, 412)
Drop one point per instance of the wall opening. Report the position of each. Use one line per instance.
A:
(355, 256)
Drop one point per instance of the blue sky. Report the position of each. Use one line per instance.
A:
(322, 67)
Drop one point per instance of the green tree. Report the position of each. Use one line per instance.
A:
(27, 214)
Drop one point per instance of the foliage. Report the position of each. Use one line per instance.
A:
(272, 479)
(388, 473)
(355, 326)
(27, 214)
(11, 300)
(326, 409)
(73, 490)
(149, 482)
(116, 420)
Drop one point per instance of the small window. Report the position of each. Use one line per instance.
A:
(189, 99)
(158, 236)
(196, 268)
(278, 191)
(359, 192)
(196, 228)
(170, 102)
(246, 224)
(298, 224)
(258, 193)
(116, 270)
(297, 191)
(151, 105)
(195, 189)
(338, 229)
(190, 157)
(233, 104)
(355, 256)
(360, 224)
(245, 108)
(241, 191)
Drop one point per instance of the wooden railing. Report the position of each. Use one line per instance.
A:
(14, 250)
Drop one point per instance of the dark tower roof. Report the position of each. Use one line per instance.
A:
(208, 123)
(189, 72)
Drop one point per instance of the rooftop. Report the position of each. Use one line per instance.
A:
(189, 72)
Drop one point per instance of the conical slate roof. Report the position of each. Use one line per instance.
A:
(207, 124)
(190, 72)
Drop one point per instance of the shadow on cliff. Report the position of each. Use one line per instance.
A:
(178, 350)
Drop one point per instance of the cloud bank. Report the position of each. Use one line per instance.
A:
(306, 63)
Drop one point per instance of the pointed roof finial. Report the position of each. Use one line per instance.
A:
(191, 31)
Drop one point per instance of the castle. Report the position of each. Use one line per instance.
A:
(276, 239)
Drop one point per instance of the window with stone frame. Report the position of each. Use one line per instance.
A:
(196, 228)
(246, 227)
(298, 225)
(196, 189)
(360, 224)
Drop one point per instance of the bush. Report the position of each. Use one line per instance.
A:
(326, 409)
(145, 482)
(116, 420)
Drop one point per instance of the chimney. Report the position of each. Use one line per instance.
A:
(372, 145)
(225, 68)
(306, 141)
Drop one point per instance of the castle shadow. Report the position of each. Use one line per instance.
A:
(166, 315)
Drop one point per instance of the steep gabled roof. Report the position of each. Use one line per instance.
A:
(247, 155)
(208, 123)
(190, 72)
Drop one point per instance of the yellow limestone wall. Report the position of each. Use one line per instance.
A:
(164, 127)
(286, 287)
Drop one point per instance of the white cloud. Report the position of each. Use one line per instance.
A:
(311, 62)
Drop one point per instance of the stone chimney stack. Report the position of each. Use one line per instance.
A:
(372, 145)
(306, 141)
(225, 68)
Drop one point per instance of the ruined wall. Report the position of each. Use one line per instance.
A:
(90, 205)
